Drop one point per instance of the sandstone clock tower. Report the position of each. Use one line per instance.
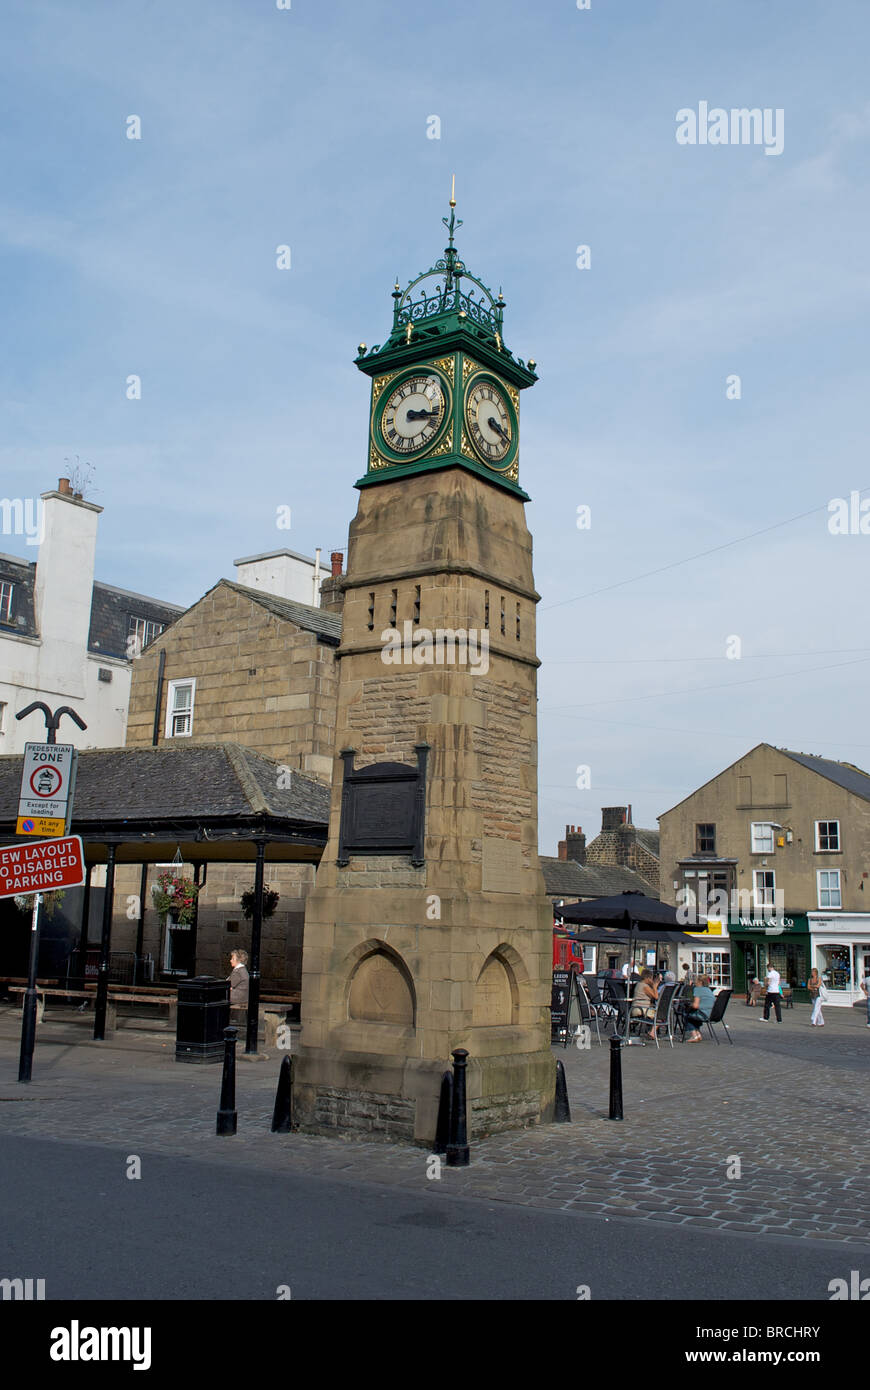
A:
(428, 927)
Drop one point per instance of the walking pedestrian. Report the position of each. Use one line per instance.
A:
(865, 990)
(815, 988)
(773, 995)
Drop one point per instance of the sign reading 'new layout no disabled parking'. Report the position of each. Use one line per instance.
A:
(47, 786)
(42, 866)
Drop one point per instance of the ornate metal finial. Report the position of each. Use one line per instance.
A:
(452, 270)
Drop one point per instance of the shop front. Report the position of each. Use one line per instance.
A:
(759, 943)
(841, 953)
(710, 956)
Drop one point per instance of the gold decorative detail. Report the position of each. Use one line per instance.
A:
(408, 331)
(514, 471)
(377, 460)
(468, 366)
(465, 448)
(514, 395)
(379, 383)
(446, 445)
(447, 365)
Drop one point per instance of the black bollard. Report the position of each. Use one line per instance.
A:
(282, 1115)
(227, 1116)
(615, 1079)
(457, 1147)
(562, 1115)
(445, 1105)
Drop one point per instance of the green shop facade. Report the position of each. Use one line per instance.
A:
(757, 943)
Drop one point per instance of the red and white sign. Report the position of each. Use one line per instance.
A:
(42, 866)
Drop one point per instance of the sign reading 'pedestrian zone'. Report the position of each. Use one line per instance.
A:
(47, 786)
(42, 866)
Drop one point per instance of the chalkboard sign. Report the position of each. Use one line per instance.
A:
(559, 1004)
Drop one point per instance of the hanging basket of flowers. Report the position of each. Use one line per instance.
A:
(50, 901)
(175, 896)
(270, 902)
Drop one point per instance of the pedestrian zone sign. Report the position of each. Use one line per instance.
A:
(47, 786)
(42, 866)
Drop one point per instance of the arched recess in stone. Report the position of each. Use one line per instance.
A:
(496, 994)
(380, 988)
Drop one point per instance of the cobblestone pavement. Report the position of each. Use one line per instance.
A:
(789, 1103)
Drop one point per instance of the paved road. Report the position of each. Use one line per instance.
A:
(217, 1230)
(790, 1102)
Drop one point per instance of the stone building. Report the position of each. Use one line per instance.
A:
(621, 844)
(241, 666)
(784, 838)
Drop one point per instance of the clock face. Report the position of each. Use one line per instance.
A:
(489, 421)
(413, 413)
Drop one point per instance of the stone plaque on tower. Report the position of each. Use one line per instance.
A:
(412, 950)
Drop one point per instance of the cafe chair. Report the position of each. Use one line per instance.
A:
(718, 1015)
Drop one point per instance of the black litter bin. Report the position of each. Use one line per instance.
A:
(203, 1014)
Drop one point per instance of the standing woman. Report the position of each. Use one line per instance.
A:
(814, 986)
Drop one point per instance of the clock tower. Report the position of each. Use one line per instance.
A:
(428, 928)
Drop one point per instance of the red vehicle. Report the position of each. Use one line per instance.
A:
(567, 953)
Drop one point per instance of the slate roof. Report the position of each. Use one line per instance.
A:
(566, 878)
(207, 781)
(326, 625)
(110, 610)
(21, 574)
(846, 775)
(650, 840)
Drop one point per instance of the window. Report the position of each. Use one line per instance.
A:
(371, 611)
(716, 964)
(6, 601)
(829, 888)
(518, 622)
(142, 631)
(761, 835)
(394, 603)
(179, 708)
(502, 616)
(416, 603)
(828, 836)
(705, 838)
(2, 718)
(764, 888)
(486, 607)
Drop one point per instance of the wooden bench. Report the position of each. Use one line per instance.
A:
(117, 994)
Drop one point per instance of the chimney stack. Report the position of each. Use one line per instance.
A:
(331, 589)
(612, 817)
(337, 558)
(63, 487)
(574, 844)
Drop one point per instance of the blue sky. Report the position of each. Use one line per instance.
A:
(308, 127)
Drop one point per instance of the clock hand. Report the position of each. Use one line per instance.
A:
(494, 425)
(420, 414)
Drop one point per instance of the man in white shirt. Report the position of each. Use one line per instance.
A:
(773, 995)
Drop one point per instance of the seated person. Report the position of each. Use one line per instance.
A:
(700, 1008)
(755, 992)
(645, 998)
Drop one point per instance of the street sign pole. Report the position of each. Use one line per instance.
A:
(28, 1021)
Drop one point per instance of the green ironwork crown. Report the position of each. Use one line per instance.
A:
(458, 301)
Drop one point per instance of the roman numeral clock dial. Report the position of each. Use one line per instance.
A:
(490, 422)
(413, 414)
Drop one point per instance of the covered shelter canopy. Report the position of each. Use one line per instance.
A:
(210, 802)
